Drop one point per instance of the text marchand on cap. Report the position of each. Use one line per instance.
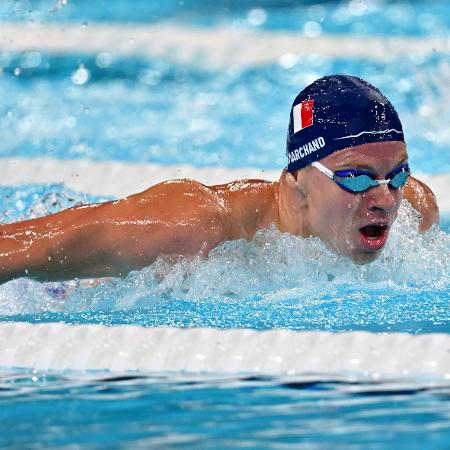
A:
(307, 149)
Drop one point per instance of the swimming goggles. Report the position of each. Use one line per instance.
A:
(356, 180)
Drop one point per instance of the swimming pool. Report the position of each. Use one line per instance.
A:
(107, 122)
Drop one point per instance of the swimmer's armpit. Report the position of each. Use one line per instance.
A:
(422, 200)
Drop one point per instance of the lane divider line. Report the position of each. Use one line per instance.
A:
(126, 347)
(216, 47)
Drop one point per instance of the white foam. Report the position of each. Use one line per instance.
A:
(119, 179)
(81, 347)
(212, 47)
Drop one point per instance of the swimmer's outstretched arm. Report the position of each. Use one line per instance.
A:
(113, 238)
(422, 199)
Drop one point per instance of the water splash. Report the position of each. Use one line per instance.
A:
(267, 278)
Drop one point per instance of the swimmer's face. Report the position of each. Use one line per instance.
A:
(356, 225)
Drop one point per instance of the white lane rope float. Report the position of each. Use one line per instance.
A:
(206, 350)
(217, 47)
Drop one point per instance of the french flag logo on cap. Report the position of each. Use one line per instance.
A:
(303, 115)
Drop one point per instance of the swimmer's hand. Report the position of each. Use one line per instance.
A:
(110, 239)
(422, 199)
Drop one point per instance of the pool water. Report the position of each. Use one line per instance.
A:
(107, 108)
(42, 410)
(47, 114)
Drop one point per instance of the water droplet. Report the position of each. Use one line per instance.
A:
(150, 77)
(288, 60)
(256, 17)
(59, 4)
(312, 29)
(425, 110)
(20, 205)
(30, 60)
(358, 7)
(103, 60)
(81, 75)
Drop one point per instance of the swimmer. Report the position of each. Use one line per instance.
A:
(346, 175)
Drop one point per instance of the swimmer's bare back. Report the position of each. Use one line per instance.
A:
(180, 218)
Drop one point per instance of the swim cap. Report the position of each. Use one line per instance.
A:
(336, 112)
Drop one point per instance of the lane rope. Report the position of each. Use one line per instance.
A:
(216, 47)
(125, 347)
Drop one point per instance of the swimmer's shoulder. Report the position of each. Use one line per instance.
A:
(221, 193)
(251, 205)
(187, 215)
(183, 195)
(188, 188)
(233, 210)
(422, 199)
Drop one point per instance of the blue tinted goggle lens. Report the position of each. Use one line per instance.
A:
(399, 179)
(354, 182)
(358, 183)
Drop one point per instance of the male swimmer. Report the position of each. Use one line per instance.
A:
(347, 173)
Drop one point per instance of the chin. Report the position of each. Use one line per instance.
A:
(365, 257)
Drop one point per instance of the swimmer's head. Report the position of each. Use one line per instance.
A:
(337, 112)
(349, 126)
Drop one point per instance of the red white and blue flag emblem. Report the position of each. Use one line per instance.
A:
(303, 115)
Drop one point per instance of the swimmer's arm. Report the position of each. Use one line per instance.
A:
(422, 199)
(113, 238)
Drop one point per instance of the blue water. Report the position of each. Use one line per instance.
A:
(154, 111)
(358, 17)
(53, 411)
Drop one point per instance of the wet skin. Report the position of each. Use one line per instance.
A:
(185, 217)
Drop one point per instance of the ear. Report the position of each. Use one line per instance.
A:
(295, 182)
(291, 180)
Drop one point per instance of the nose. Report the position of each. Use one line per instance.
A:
(384, 198)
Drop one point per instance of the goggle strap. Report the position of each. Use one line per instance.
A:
(323, 169)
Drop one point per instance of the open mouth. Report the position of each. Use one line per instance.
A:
(373, 231)
(373, 237)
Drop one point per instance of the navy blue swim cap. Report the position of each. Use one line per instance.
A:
(336, 112)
